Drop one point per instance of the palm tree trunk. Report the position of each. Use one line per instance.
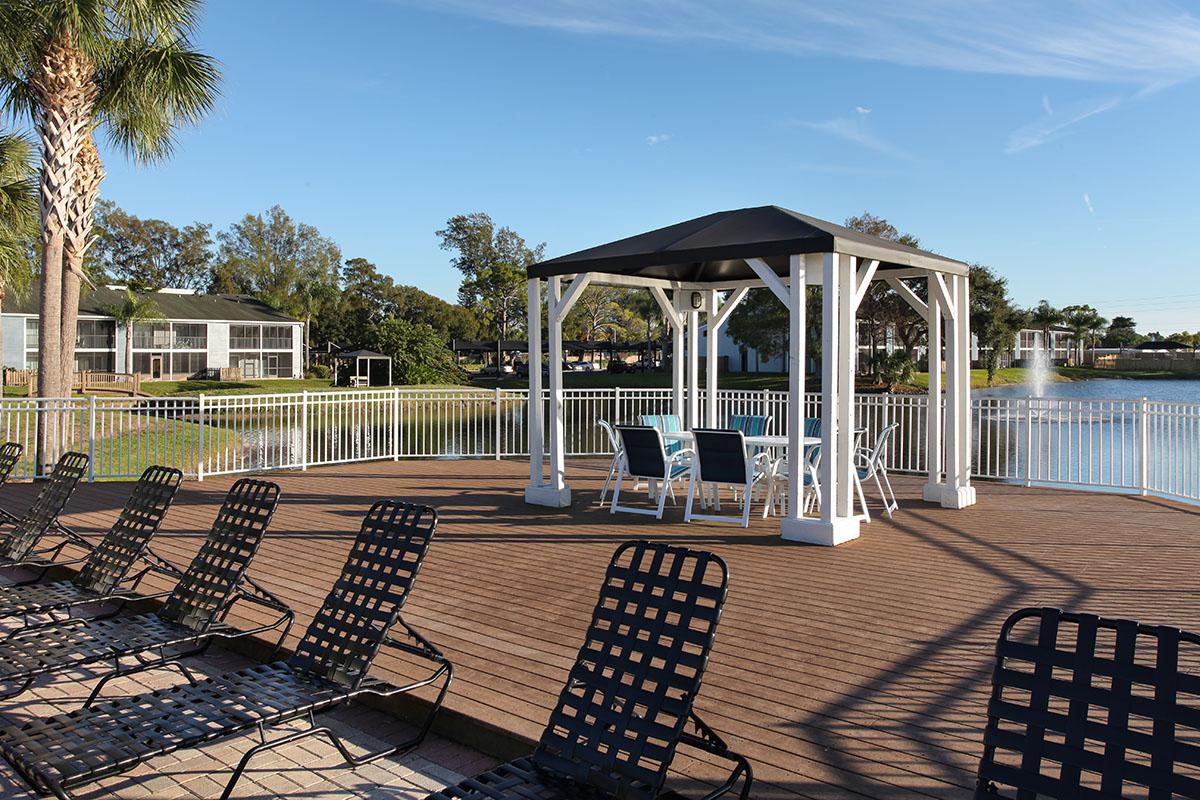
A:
(89, 173)
(65, 94)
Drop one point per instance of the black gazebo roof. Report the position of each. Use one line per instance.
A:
(348, 354)
(713, 248)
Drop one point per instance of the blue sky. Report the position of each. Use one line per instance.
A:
(1057, 147)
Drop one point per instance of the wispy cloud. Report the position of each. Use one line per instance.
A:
(1052, 126)
(854, 130)
(862, 109)
(1141, 42)
(1087, 201)
(659, 138)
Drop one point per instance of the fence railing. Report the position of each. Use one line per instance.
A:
(1142, 446)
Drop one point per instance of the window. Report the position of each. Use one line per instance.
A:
(95, 334)
(188, 364)
(245, 337)
(190, 336)
(277, 337)
(94, 362)
(151, 335)
(277, 365)
(249, 363)
(31, 334)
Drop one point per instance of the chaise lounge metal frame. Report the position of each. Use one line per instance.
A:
(190, 619)
(1089, 707)
(628, 701)
(18, 545)
(103, 576)
(10, 457)
(329, 668)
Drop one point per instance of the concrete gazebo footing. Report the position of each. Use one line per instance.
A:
(703, 268)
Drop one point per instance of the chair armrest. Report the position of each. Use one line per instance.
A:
(706, 740)
(681, 453)
(255, 593)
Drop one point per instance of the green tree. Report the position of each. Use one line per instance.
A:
(72, 66)
(18, 218)
(1122, 333)
(1084, 321)
(418, 353)
(881, 306)
(597, 315)
(760, 324)
(492, 262)
(151, 252)
(994, 319)
(134, 308)
(288, 265)
(448, 320)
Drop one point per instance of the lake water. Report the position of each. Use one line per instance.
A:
(1175, 391)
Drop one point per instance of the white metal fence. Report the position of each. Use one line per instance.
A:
(1124, 445)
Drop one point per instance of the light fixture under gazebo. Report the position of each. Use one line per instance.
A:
(725, 255)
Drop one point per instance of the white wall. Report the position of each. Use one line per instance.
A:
(218, 345)
(14, 342)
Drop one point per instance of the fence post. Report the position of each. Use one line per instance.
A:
(91, 438)
(396, 423)
(304, 430)
(498, 438)
(617, 405)
(202, 434)
(1029, 440)
(1144, 435)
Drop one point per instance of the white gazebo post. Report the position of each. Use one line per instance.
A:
(934, 418)
(693, 361)
(958, 492)
(717, 317)
(557, 493)
(712, 342)
(534, 490)
(676, 321)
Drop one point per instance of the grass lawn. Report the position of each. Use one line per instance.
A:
(268, 386)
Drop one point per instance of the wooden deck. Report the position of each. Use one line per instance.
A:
(860, 671)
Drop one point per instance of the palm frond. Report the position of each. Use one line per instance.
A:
(151, 88)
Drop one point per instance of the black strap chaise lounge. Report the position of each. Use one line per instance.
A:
(10, 456)
(18, 544)
(628, 700)
(104, 574)
(190, 617)
(330, 667)
(1092, 708)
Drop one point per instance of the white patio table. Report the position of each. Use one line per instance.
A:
(751, 441)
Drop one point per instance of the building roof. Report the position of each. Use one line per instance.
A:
(1163, 345)
(360, 354)
(172, 305)
(713, 248)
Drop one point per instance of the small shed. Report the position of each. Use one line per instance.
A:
(366, 368)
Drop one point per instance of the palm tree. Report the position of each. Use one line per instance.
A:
(72, 66)
(1044, 317)
(18, 217)
(1083, 320)
(133, 309)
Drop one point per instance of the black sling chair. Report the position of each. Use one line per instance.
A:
(17, 546)
(628, 699)
(190, 618)
(329, 668)
(1088, 707)
(10, 456)
(104, 574)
